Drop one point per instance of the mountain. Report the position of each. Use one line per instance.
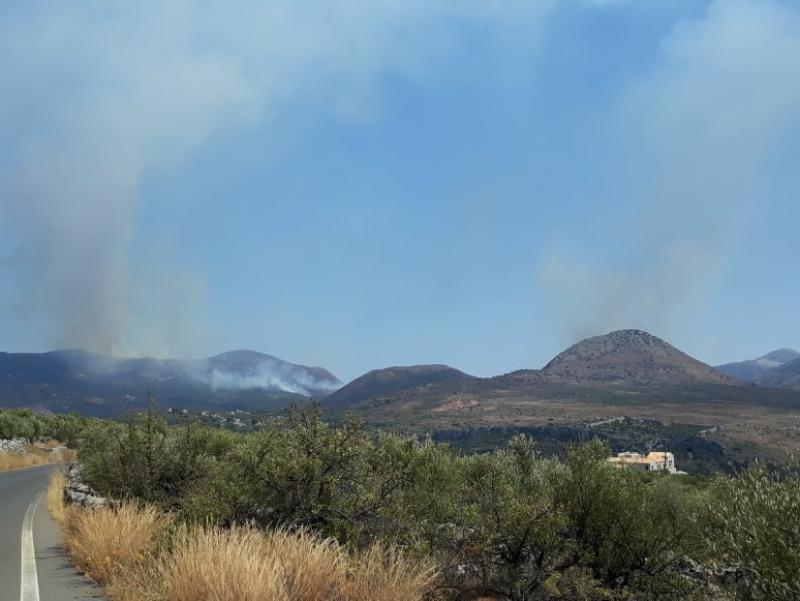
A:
(626, 359)
(249, 369)
(630, 357)
(786, 375)
(97, 384)
(623, 373)
(755, 369)
(390, 380)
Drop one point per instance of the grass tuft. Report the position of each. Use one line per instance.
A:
(106, 543)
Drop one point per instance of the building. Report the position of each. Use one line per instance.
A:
(655, 461)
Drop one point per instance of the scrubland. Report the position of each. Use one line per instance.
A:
(308, 511)
(138, 552)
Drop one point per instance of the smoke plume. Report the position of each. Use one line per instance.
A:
(98, 97)
(702, 124)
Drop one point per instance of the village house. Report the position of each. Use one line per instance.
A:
(655, 461)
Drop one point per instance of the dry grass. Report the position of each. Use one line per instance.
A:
(121, 549)
(106, 543)
(243, 564)
(14, 461)
(34, 456)
(55, 497)
(51, 443)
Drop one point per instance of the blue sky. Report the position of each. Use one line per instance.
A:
(473, 183)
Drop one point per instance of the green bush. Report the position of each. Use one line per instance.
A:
(629, 530)
(145, 459)
(754, 524)
(22, 423)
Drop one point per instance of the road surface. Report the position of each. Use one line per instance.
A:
(32, 565)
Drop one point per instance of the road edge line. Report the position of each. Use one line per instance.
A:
(29, 578)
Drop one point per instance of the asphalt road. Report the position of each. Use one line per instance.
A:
(32, 565)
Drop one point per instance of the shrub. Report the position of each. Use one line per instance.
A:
(341, 482)
(627, 530)
(23, 423)
(754, 524)
(149, 461)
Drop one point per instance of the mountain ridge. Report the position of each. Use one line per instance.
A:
(752, 370)
(786, 376)
(592, 368)
(73, 379)
(631, 358)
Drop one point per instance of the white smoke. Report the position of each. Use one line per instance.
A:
(266, 378)
(237, 371)
(99, 96)
(726, 88)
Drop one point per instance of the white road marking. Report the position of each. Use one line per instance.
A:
(29, 583)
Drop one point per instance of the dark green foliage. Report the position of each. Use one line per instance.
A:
(22, 423)
(754, 524)
(629, 529)
(145, 459)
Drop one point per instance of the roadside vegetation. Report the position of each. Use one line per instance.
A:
(23, 423)
(39, 439)
(33, 456)
(138, 552)
(303, 510)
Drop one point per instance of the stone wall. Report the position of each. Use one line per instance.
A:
(80, 493)
(15, 445)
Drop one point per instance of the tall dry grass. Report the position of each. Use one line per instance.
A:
(243, 564)
(106, 543)
(34, 456)
(55, 497)
(122, 549)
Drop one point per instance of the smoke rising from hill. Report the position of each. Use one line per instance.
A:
(108, 95)
(702, 124)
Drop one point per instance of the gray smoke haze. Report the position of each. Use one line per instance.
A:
(233, 371)
(98, 97)
(702, 124)
(268, 377)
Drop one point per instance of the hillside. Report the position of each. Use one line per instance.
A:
(754, 369)
(599, 369)
(785, 376)
(381, 382)
(630, 357)
(628, 372)
(76, 380)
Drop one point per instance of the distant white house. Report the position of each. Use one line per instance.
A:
(655, 461)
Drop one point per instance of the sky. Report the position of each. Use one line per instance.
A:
(363, 184)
